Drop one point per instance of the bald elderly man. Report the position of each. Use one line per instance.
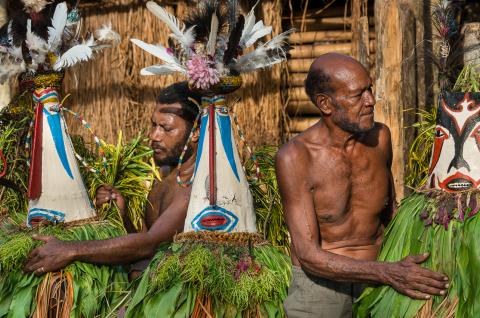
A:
(336, 185)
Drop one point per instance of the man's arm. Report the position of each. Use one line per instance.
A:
(56, 254)
(391, 207)
(405, 276)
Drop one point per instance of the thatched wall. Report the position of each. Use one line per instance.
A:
(112, 95)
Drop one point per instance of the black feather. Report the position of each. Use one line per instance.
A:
(202, 19)
(232, 13)
(4, 35)
(233, 40)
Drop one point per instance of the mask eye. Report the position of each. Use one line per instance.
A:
(440, 133)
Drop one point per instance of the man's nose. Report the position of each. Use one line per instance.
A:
(370, 98)
(156, 134)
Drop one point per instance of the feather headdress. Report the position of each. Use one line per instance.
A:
(210, 43)
(47, 39)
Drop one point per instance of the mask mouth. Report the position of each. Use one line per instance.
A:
(459, 184)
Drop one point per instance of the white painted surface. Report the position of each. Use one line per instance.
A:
(61, 192)
(232, 194)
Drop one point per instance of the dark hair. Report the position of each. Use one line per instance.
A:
(317, 82)
(180, 93)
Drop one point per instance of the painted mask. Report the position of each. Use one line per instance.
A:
(455, 164)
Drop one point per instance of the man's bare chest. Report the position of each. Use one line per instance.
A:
(360, 185)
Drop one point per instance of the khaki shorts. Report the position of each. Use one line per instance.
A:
(315, 297)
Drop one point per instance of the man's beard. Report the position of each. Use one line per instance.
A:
(341, 120)
(172, 157)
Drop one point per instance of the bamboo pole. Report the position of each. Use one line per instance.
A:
(322, 36)
(302, 108)
(314, 51)
(299, 65)
(4, 89)
(317, 36)
(297, 94)
(333, 23)
(297, 79)
(309, 51)
(298, 125)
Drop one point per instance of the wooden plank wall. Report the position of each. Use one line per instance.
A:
(399, 44)
(321, 32)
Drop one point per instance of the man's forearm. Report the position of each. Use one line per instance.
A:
(120, 250)
(341, 268)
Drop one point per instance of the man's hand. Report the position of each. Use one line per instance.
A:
(410, 279)
(51, 257)
(107, 194)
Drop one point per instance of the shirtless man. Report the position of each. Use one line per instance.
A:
(338, 196)
(172, 122)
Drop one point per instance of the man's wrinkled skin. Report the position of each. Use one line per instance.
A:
(337, 189)
(164, 217)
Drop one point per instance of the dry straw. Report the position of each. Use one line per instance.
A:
(112, 95)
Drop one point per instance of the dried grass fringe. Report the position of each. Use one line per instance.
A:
(447, 307)
(55, 296)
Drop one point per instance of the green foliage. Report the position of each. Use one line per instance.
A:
(130, 169)
(14, 123)
(16, 243)
(98, 290)
(468, 80)
(420, 150)
(266, 197)
(454, 251)
(235, 279)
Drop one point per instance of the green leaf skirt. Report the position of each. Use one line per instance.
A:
(94, 291)
(448, 227)
(217, 274)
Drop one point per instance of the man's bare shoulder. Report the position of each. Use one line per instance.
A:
(380, 136)
(298, 154)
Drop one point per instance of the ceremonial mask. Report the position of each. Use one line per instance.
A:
(455, 165)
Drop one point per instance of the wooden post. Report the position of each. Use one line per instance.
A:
(396, 83)
(471, 33)
(360, 32)
(4, 89)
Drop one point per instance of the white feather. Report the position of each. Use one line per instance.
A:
(59, 21)
(248, 27)
(106, 34)
(78, 53)
(37, 47)
(266, 55)
(185, 38)
(10, 34)
(163, 69)
(279, 40)
(258, 32)
(34, 42)
(159, 52)
(212, 38)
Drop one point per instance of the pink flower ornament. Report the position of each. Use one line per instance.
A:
(202, 72)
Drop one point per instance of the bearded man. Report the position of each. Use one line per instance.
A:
(337, 191)
(171, 124)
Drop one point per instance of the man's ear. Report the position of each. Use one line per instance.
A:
(323, 103)
(196, 135)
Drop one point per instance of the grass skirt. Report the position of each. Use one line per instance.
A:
(213, 274)
(448, 227)
(80, 290)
